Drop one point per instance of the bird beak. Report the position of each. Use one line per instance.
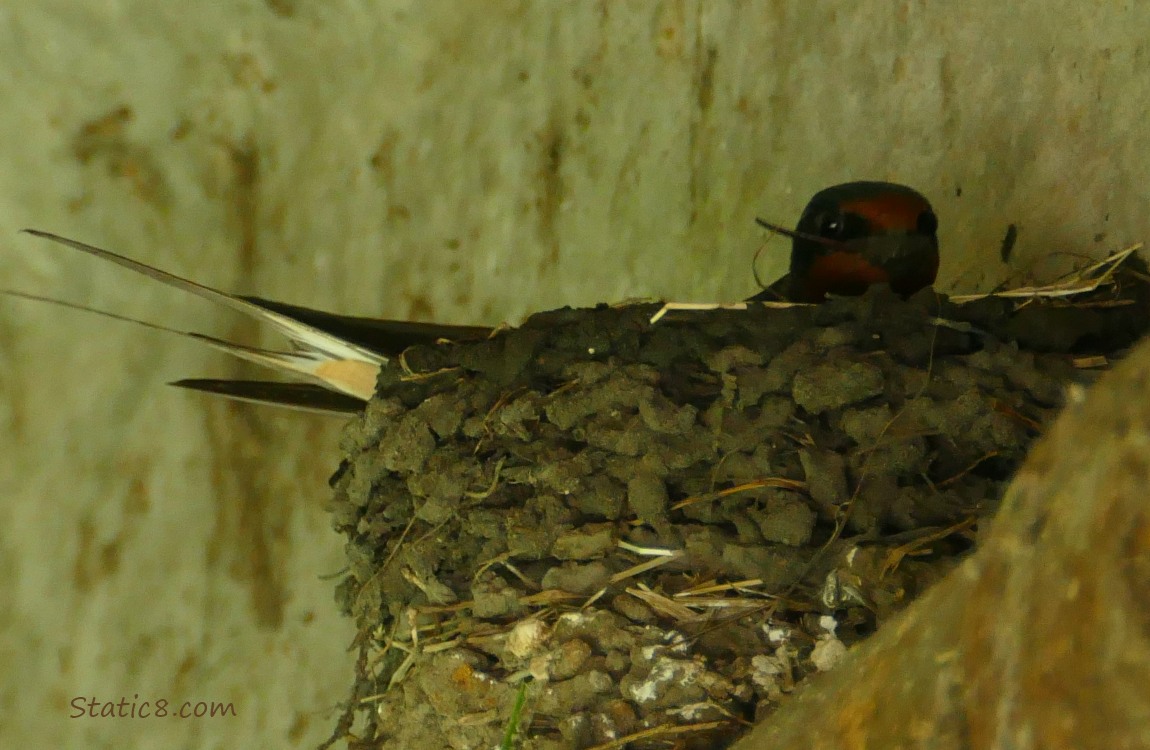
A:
(794, 233)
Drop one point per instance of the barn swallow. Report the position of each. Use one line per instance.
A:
(857, 234)
(849, 237)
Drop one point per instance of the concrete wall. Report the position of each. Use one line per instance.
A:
(464, 161)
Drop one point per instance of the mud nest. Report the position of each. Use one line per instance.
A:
(661, 528)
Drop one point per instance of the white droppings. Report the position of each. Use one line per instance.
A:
(827, 653)
(573, 618)
(693, 711)
(663, 672)
(776, 634)
(526, 638)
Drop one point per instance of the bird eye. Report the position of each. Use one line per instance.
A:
(831, 224)
(927, 223)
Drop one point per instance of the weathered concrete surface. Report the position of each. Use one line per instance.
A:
(1042, 638)
(459, 161)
